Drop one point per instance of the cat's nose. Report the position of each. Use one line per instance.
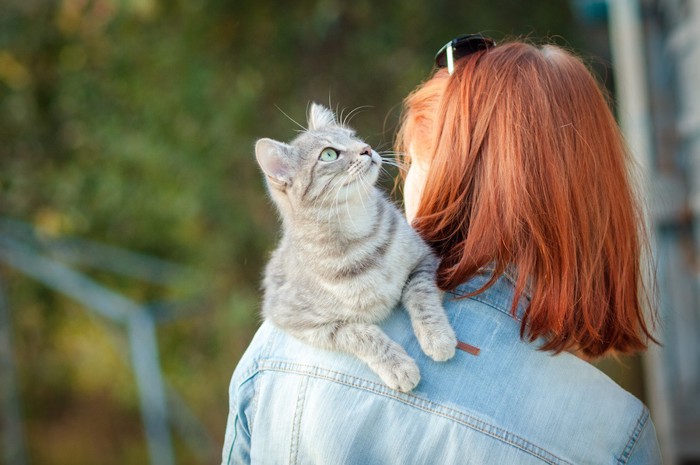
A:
(366, 150)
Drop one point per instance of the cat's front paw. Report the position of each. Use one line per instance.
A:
(438, 341)
(401, 374)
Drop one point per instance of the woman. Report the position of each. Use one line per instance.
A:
(518, 180)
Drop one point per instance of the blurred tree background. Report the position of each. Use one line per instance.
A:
(132, 122)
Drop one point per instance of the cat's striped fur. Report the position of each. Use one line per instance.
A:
(347, 256)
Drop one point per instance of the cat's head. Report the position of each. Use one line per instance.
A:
(325, 163)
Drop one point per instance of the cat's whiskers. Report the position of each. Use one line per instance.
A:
(333, 205)
(347, 199)
(292, 119)
(386, 171)
(390, 161)
(320, 204)
(340, 118)
(353, 113)
(368, 190)
(362, 184)
(357, 179)
(395, 165)
(337, 198)
(382, 144)
(390, 153)
(322, 200)
(395, 157)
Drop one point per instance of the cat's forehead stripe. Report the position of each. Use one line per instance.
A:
(334, 145)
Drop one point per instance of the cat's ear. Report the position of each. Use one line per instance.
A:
(273, 158)
(320, 116)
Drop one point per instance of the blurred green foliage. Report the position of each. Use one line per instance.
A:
(132, 122)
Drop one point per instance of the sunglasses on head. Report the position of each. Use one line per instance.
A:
(460, 47)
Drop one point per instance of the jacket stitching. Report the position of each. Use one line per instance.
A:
(296, 424)
(245, 379)
(254, 408)
(233, 440)
(639, 427)
(490, 304)
(419, 403)
(497, 305)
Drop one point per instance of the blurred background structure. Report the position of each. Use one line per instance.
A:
(656, 59)
(134, 223)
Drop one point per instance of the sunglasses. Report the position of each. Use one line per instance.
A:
(460, 47)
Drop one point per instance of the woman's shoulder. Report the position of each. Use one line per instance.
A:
(552, 408)
(557, 400)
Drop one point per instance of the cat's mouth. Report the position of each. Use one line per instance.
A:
(360, 172)
(368, 167)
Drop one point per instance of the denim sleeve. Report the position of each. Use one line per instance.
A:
(645, 450)
(236, 449)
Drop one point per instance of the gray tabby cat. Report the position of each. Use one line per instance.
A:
(347, 255)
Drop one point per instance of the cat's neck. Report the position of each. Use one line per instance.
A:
(342, 221)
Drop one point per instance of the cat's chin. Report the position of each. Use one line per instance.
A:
(371, 173)
(367, 177)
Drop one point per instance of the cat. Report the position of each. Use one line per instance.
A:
(347, 256)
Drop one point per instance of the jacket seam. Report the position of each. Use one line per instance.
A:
(296, 422)
(253, 407)
(415, 401)
(633, 440)
(233, 440)
(508, 275)
(495, 307)
(245, 379)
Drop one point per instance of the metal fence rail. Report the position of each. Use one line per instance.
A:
(49, 261)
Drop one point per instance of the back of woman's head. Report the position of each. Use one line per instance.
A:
(527, 171)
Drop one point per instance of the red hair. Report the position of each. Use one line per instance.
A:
(528, 171)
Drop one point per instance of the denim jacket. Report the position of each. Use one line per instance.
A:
(294, 404)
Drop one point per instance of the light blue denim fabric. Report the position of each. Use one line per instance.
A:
(291, 403)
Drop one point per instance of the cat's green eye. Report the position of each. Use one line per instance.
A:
(328, 154)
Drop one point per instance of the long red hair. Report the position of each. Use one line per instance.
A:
(528, 171)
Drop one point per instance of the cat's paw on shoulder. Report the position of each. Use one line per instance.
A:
(440, 345)
(402, 375)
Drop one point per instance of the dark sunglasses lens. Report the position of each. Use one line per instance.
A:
(463, 46)
(441, 57)
(467, 45)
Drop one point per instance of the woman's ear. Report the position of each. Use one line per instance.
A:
(273, 158)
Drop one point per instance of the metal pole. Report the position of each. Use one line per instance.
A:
(140, 327)
(12, 437)
(59, 277)
(144, 356)
(96, 255)
(626, 44)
